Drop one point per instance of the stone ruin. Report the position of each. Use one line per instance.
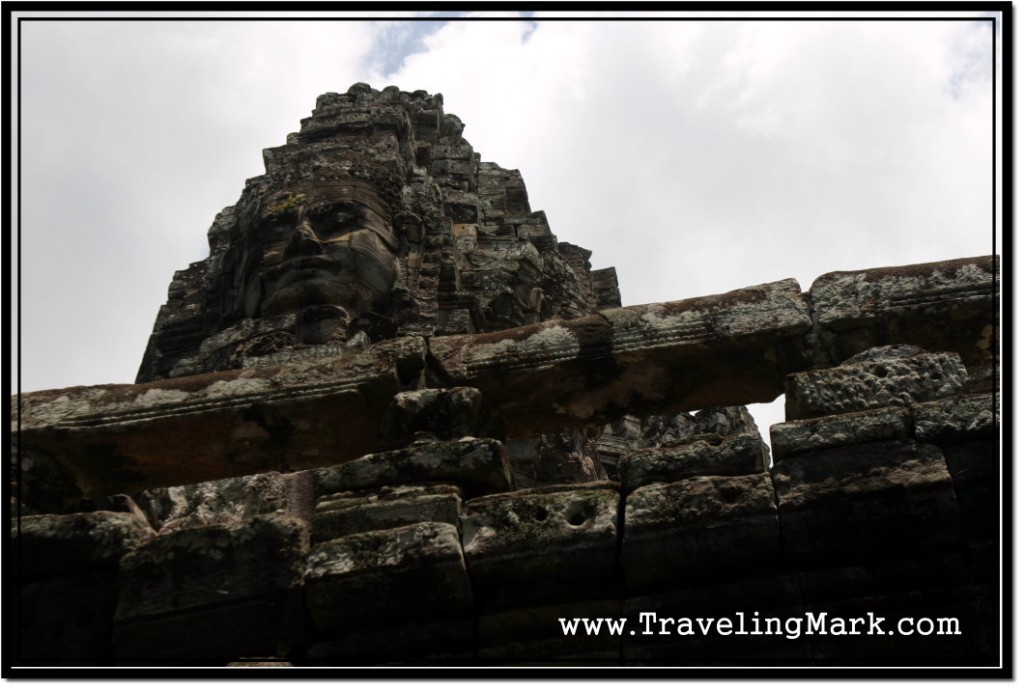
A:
(393, 420)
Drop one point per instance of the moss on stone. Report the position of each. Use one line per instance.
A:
(293, 201)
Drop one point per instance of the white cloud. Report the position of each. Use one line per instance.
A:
(699, 157)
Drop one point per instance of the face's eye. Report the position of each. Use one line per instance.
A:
(272, 232)
(336, 221)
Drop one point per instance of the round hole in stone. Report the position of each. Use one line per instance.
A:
(578, 514)
(540, 513)
(729, 494)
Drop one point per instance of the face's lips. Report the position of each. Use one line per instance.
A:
(300, 288)
(308, 265)
(300, 276)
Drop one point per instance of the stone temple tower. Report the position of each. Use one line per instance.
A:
(377, 219)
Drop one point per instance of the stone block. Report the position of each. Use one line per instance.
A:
(533, 545)
(667, 430)
(464, 230)
(947, 306)
(454, 149)
(974, 466)
(560, 458)
(478, 466)
(866, 501)
(427, 124)
(200, 566)
(212, 592)
(271, 624)
(605, 283)
(407, 574)
(53, 545)
(516, 200)
(829, 431)
(66, 578)
(118, 503)
(742, 454)
(462, 211)
(699, 528)
(452, 168)
(878, 378)
(458, 322)
(347, 513)
(531, 231)
(65, 620)
(40, 483)
(216, 501)
(436, 415)
(956, 419)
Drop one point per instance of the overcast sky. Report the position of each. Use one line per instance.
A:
(695, 156)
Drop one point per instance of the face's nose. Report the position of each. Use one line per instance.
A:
(304, 242)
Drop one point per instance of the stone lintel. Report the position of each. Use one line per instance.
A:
(304, 414)
(664, 357)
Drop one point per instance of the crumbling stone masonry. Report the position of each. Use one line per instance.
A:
(392, 420)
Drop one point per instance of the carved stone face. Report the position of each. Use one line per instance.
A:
(319, 244)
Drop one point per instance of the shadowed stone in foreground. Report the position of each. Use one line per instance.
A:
(216, 591)
(865, 501)
(532, 545)
(402, 574)
(699, 528)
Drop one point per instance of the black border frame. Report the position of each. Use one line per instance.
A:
(222, 11)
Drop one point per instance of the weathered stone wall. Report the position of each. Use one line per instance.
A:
(427, 554)
(440, 547)
(545, 378)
